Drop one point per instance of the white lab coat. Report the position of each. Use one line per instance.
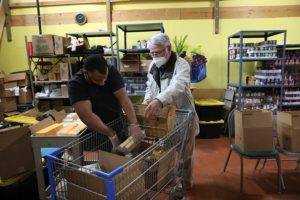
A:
(174, 91)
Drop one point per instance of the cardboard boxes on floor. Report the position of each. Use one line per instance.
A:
(288, 129)
(253, 130)
(15, 152)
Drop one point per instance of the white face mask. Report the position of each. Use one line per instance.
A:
(160, 61)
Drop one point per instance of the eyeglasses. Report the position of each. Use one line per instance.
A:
(157, 53)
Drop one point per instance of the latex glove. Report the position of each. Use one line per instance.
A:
(135, 131)
(114, 141)
(146, 102)
(153, 108)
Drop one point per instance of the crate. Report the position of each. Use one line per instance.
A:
(163, 123)
(209, 109)
(212, 129)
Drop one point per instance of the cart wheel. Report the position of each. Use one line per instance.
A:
(178, 192)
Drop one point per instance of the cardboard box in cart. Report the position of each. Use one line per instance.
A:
(157, 126)
(253, 130)
(288, 130)
(82, 185)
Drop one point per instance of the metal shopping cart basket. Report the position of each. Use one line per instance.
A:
(85, 169)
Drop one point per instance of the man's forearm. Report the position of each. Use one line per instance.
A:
(129, 110)
(96, 124)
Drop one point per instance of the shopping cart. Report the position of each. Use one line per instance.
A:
(155, 167)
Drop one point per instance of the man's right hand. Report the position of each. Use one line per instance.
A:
(135, 131)
(114, 141)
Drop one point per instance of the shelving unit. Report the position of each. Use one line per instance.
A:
(291, 89)
(264, 51)
(134, 28)
(94, 35)
(37, 62)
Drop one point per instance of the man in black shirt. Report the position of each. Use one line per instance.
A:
(98, 95)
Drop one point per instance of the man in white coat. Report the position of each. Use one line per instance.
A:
(169, 84)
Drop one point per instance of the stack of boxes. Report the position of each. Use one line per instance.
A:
(13, 90)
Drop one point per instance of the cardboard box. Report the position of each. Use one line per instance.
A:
(64, 71)
(7, 93)
(1, 81)
(64, 90)
(42, 45)
(145, 65)
(160, 173)
(130, 63)
(1, 107)
(44, 105)
(61, 44)
(10, 85)
(288, 130)
(25, 96)
(253, 130)
(1, 115)
(15, 152)
(208, 94)
(57, 104)
(9, 104)
(160, 125)
(79, 183)
(21, 78)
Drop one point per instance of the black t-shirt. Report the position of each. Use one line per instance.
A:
(104, 102)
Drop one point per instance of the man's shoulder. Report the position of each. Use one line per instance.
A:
(77, 79)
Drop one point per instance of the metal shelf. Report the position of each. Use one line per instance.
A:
(85, 54)
(253, 86)
(298, 105)
(50, 56)
(58, 97)
(141, 27)
(257, 34)
(287, 46)
(50, 82)
(91, 34)
(124, 29)
(255, 59)
(291, 86)
(134, 50)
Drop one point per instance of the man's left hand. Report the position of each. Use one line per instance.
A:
(153, 108)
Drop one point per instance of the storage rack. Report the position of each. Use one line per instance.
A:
(255, 34)
(93, 35)
(134, 28)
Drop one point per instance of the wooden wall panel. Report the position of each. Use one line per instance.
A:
(2, 19)
(56, 19)
(164, 14)
(54, 3)
(259, 12)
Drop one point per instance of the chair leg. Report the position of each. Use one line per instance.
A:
(227, 160)
(265, 161)
(280, 178)
(242, 175)
(297, 167)
(256, 165)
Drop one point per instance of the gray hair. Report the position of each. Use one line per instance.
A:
(160, 39)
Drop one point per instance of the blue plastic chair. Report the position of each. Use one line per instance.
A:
(249, 155)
